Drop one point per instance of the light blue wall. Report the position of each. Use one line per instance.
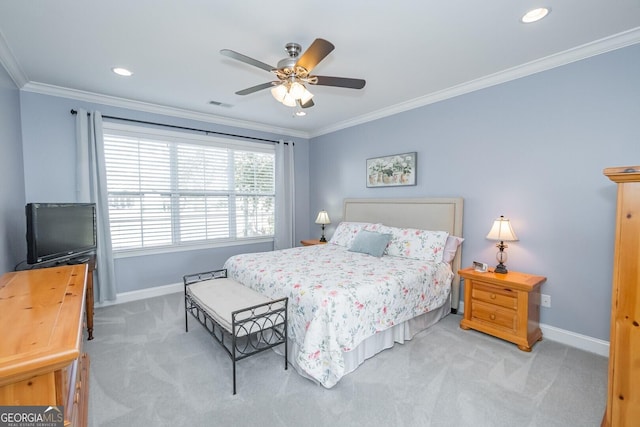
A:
(12, 220)
(48, 134)
(531, 149)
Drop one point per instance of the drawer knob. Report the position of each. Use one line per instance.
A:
(492, 316)
(492, 296)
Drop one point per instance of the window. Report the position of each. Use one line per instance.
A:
(168, 189)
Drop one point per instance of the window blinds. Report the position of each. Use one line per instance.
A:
(169, 189)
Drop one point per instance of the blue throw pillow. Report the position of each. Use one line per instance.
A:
(370, 242)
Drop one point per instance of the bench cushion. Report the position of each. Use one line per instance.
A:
(220, 297)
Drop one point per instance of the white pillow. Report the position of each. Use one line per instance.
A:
(346, 232)
(451, 247)
(414, 243)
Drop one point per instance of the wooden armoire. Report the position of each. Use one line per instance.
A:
(623, 395)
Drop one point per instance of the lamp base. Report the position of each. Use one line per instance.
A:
(323, 239)
(501, 269)
(501, 256)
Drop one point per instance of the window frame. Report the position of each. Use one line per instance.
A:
(208, 140)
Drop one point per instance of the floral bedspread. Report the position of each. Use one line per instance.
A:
(339, 298)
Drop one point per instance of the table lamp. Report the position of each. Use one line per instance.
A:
(502, 232)
(323, 218)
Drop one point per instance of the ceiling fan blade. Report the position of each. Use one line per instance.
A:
(308, 104)
(244, 58)
(340, 82)
(318, 50)
(253, 89)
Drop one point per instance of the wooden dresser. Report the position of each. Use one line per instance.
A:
(623, 396)
(41, 358)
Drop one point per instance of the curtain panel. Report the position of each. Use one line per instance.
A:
(91, 187)
(285, 196)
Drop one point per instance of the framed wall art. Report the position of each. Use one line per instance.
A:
(395, 170)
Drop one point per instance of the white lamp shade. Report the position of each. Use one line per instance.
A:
(296, 90)
(306, 96)
(323, 218)
(501, 230)
(279, 92)
(289, 100)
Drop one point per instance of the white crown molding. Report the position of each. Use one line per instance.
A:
(113, 101)
(9, 62)
(588, 50)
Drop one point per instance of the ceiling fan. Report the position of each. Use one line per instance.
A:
(294, 72)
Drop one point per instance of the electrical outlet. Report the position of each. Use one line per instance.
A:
(545, 300)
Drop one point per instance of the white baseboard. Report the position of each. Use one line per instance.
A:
(143, 294)
(572, 339)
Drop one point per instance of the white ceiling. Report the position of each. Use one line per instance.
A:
(411, 53)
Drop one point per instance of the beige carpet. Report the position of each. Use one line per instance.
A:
(146, 371)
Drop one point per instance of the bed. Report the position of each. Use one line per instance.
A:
(345, 305)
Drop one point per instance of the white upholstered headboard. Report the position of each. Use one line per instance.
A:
(441, 214)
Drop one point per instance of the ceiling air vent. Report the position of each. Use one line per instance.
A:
(220, 104)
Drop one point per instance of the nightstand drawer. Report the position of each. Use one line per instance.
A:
(493, 295)
(495, 316)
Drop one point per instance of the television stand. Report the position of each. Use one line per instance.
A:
(79, 260)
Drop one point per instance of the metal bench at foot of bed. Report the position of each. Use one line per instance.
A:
(242, 320)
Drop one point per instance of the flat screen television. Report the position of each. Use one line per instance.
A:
(60, 231)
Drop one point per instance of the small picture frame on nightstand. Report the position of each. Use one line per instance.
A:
(480, 267)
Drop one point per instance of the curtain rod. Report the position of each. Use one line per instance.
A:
(74, 112)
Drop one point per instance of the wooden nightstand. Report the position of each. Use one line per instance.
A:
(506, 306)
(311, 242)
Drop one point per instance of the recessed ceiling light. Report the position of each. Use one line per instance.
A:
(300, 113)
(535, 15)
(122, 71)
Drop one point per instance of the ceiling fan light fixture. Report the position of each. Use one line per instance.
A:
(279, 92)
(293, 73)
(291, 94)
(535, 15)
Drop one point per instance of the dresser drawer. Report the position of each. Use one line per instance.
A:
(494, 295)
(494, 316)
